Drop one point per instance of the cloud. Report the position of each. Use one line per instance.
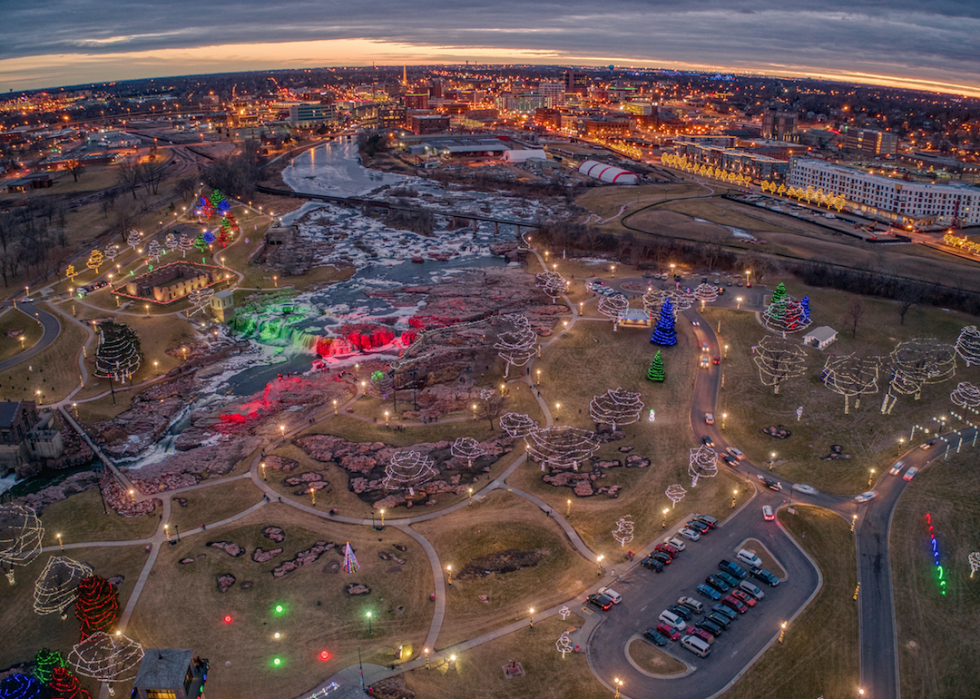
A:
(933, 42)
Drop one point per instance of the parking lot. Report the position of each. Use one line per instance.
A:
(646, 593)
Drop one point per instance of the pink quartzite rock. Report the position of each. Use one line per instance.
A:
(231, 548)
(225, 581)
(260, 555)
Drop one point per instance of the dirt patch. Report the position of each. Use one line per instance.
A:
(503, 562)
(768, 562)
(654, 660)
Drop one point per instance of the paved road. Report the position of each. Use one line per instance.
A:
(51, 328)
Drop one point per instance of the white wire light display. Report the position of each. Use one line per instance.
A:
(406, 470)
(466, 449)
(516, 347)
(616, 406)
(675, 493)
(561, 448)
(20, 537)
(624, 530)
(850, 376)
(702, 463)
(966, 395)
(968, 345)
(56, 588)
(108, 658)
(517, 425)
(779, 360)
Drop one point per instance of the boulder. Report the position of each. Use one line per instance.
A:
(274, 534)
(225, 581)
(260, 555)
(355, 589)
(229, 547)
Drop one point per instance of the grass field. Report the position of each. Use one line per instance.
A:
(819, 655)
(81, 518)
(25, 632)
(478, 672)
(31, 332)
(576, 369)
(213, 504)
(53, 371)
(652, 659)
(317, 614)
(502, 522)
(872, 439)
(937, 643)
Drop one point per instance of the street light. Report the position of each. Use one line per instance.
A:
(663, 525)
(470, 490)
(739, 305)
(871, 477)
(568, 509)
(619, 682)
(60, 542)
(772, 459)
(382, 518)
(782, 631)
(386, 418)
(262, 466)
(426, 651)
(370, 631)
(449, 571)
(557, 410)
(474, 411)
(282, 431)
(156, 367)
(724, 416)
(598, 565)
(531, 617)
(734, 495)
(335, 406)
(726, 352)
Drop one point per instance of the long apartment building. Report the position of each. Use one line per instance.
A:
(919, 204)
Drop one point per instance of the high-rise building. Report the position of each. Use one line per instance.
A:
(781, 126)
(305, 116)
(417, 100)
(576, 81)
(878, 143)
(553, 93)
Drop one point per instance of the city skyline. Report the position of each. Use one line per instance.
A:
(896, 43)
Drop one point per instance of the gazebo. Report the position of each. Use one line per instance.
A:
(170, 673)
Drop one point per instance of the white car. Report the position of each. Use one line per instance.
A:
(767, 513)
(897, 468)
(689, 534)
(910, 474)
(803, 488)
(749, 558)
(672, 619)
(866, 497)
(611, 594)
(709, 419)
(737, 453)
(675, 542)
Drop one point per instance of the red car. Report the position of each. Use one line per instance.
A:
(702, 634)
(669, 631)
(734, 603)
(744, 597)
(668, 549)
(716, 359)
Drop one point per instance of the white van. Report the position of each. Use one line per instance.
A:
(672, 619)
(749, 558)
(696, 645)
(751, 589)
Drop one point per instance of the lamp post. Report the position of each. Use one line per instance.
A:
(370, 630)
(60, 542)
(382, 519)
(854, 519)
(531, 617)
(335, 406)
(734, 495)
(724, 416)
(538, 382)
(557, 410)
(426, 651)
(568, 509)
(166, 530)
(313, 495)
(782, 631)
(598, 565)
(738, 306)
(772, 459)
(449, 572)
(726, 352)
(156, 367)
(619, 682)
(282, 432)
(663, 525)
(132, 494)
(503, 387)
(470, 491)
(474, 411)
(262, 466)
(386, 418)
(871, 477)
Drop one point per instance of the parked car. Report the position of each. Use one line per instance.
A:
(730, 580)
(652, 564)
(765, 576)
(717, 583)
(702, 634)
(691, 604)
(668, 631)
(770, 483)
(611, 594)
(726, 611)
(910, 474)
(709, 592)
(697, 526)
(896, 468)
(767, 513)
(707, 441)
(671, 619)
(600, 601)
(735, 604)
(675, 542)
(681, 611)
(737, 453)
(667, 549)
(662, 557)
(749, 558)
(751, 589)
(657, 637)
(689, 534)
(710, 626)
(866, 497)
(709, 419)
(722, 621)
(707, 519)
(744, 597)
(733, 568)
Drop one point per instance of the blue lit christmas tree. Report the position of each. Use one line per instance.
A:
(805, 307)
(664, 333)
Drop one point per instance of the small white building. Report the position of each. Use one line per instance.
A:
(820, 337)
(634, 318)
(523, 155)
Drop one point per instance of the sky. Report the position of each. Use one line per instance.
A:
(926, 44)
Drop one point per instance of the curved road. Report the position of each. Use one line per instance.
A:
(51, 328)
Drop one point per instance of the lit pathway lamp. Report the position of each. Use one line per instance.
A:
(854, 519)
(387, 415)
(426, 651)
(568, 510)
(449, 572)
(262, 466)
(734, 495)
(382, 519)
(663, 525)
(335, 406)
(598, 565)
(557, 410)
(772, 459)
(313, 498)
(782, 631)
(60, 542)
(871, 477)
(166, 530)
(531, 617)
(724, 416)
(470, 490)
(738, 306)
(619, 685)
(282, 432)
(370, 630)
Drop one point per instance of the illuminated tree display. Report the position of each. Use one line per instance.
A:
(702, 463)
(45, 663)
(97, 605)
(675, 493)
(108, 658)
(19, 686)
(20, 537)
(381, 385)
(616, 406)
(613, 306)
(517, 425)
(516, 347)
(664, 332)
(56, 588)
(706, 293)
(850, 376)
(561, 448)
(968, 345)
(466, 449)
(966, 395)
(779, 360)
(552, 283)
(94, 261)
(406, 470)
(656, 371)
(118, 354)
(65, 685)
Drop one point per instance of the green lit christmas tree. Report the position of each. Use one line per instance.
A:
(779, 294)
(656, 372)
(45, 662)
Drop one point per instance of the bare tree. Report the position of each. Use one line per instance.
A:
(908, 295)
(75, 167)
(855, 309)
(131, 175)
(185, 186)
(153, 174)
